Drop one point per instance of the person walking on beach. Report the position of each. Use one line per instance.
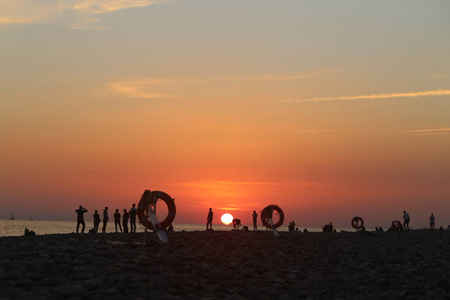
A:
(80, 218)
(209, 219)
(125, 218)
(255, 220)
(117, 220)
(432, 221)
(105, 219)
(96, 221)
(406, 220)
(133, 213)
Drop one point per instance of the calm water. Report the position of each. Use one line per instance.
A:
(17, 227)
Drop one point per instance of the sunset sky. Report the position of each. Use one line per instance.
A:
(330, 109)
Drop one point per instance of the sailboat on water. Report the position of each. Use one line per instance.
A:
(12, 217)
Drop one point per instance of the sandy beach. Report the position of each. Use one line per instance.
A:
(227, 265)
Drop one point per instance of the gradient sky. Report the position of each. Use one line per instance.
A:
(330, 109)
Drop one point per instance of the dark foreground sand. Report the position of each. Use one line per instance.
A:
(227, 265)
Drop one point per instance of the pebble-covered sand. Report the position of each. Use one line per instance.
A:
(227, 265)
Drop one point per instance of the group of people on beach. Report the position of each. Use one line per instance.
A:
(130, 215)
(236, 222)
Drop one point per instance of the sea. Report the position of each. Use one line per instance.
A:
(17, 227)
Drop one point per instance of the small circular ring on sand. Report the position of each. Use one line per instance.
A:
(267, 213)
(155, 196)
(357, 223)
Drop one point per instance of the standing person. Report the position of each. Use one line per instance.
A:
(255, 220)
(117, 220)
(96, 221)
(125, 218)
(432, 221)
(105, 219)
(406, 220)
(133, 213)
(209, 219)
(80, 218)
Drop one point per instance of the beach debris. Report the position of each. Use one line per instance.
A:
(357, 223)
(29, 232)
(267, 215)
(146, 212)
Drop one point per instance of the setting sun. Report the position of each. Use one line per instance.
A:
(226, 219)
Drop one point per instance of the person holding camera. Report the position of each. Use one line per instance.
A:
(80, 218)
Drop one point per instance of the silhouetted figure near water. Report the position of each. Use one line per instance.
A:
(406, 220)
(328, 228)
(96, 221)
(236, 223)
(432, 221)
(133, 213)
(209, 219)
(125, 218)
(105, 219)
(117, 220)
(255, 220)
(291, 226)
(80, 218)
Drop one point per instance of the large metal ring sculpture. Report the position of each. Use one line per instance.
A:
(357, 223)
(154, 197)
(267, 212)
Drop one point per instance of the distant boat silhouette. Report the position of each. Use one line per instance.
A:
(12, 217)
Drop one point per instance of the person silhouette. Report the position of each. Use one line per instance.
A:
(255, 220)
(432, 221)
(125, 218)
(133, 213)
(80, 218)
(209, 219)
(105, 219)
(406, 220)
(96, 221)
(236, 223)
(117, 220)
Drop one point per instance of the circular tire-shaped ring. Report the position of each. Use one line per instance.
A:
(357, 223)
(267, 212)
(158, 195)
(397, 225)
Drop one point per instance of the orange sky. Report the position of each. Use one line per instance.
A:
(327, 110)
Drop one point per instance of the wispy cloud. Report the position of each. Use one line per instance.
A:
(373, 96)
(440, 76)
(145, 87)
(83, 13)
(424, 131)
(238, 184)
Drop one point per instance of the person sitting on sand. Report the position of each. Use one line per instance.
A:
(133, 213)
(432, 221)
(105, 219)
(209, 219)
(255, 220)
(117, 220)
(125, 218)
(96, 221)
(236, 223)
(328, 228)
(406, 220)
(305, 230)
(80, 218)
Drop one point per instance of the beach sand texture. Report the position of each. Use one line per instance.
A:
(227, 265)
